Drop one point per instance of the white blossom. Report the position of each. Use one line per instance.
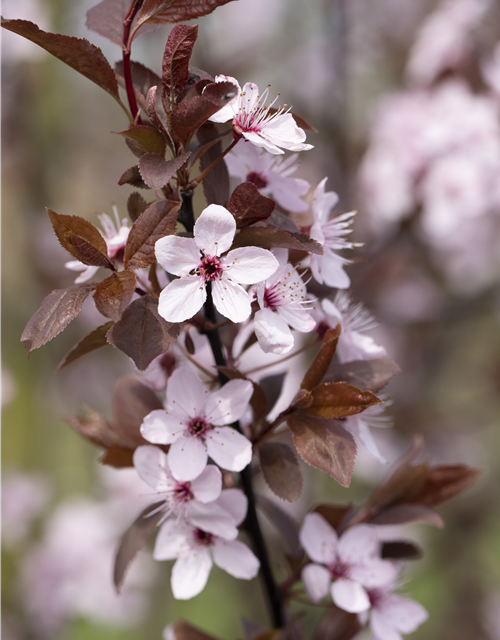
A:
(198, 261)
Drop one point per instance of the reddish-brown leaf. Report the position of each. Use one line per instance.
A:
(184, 631)
(78, 53)
(269, 237)
(96, 339)
(172, 11)
(132, 401)
(81, 239)
(192, 112)
(249, 206)
(106, 19)
(143, 79)
(324, 444)
(367, 375)
(142, 333)
(133, 540)
(445, 482)
(132, 176)
(113, 295)
(145, 139)
(157, 221)
(314, 375)
(57, 310)
(136, 205)
(339, 400)
(156, 171)
(338, 624)
(118, 457)
(281, 470)
(175, 65)
(404, 513)
(95, 428)
(216, 183)
(402, 486)
(333, 514)
(400, 550)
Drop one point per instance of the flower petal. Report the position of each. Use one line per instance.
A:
(214, 230)
(382, 628)
(158, 428)
(402, 613)
(229, 403)
(182, 299)
(358, 543)
(249, 265)
(177, 255)
(259, 141)
(235, 502)
(319, 539)
(190, 573)
(187, 458)
(171, 540)
(231, 300)
(316, 580)
(297, 317)
(185, 391)
(152, 466)
(273, 333)
(374, 572)
(350, 596)
(213, 519)
(229, 449)
(208, 485)
(235, 558)
(361, 431)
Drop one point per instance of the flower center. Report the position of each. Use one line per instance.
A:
(258, 179)
(210, 268)
(272, 297)
(182, 493)
(338, 570)
(198, 427)
(375, 596)
(202, 538)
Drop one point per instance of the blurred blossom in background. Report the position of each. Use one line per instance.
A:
(406, 97)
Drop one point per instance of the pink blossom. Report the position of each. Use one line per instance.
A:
(253, 120)
(270, 174)
(195, 549)
(198, 261)
(354, 320)
(282, 301)
(329, 268)
(115, 234)
(352, 562)
(194, 425)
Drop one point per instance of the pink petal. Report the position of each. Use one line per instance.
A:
(249, 97)
(259, 141)
(157, 428)
(182, 299)
(177, 255)
(235, 502)
(272, 332)
(350, 596)
(208, 485)
(152, 466)
(229, 403)
(358, 543)
(231, 300)
(186, 392)
(213, 519)
(229, 449)
(319, 539)
(214, 230)
(187, 458)
(323, 202)
(382, 628)
(373, 572)
(171, 540)
(361, 431)
(332, 271)
(190, 573)
(316, 580)
(402, 613)
(249, 265)
(235, 558)
(297, 317)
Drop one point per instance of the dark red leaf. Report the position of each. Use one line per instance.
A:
(172, 11)
(184, 631)
(78, 53)
(106, 19)
(445, 482)
(281, 470)
(96, 339)
(175, 65)
(118, 457)
(339, 400)
(133, 540)
(324, 444)
(143, 79)
(216, 182)
(132, 176)
(57, 310)
(81, 239)
(400, 550)
(95, 428)
(113, 295)
(136, 205)
(156, 171)
(132, 401)
(145, 139)
(143, 334)
(333, 514)
(402, 486)
(249, 206)
(338, 624)
(269, 237)
(314, 375)
(404, 513)
(157, 221)
(367, 375)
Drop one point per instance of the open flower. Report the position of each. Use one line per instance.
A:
(282, 300)
(193, 424)
(196, 549)
(354, 320)
(270, 174)
(198, 261)
(255, 121)
(329, 268)
(351, 562)
(115, 234)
